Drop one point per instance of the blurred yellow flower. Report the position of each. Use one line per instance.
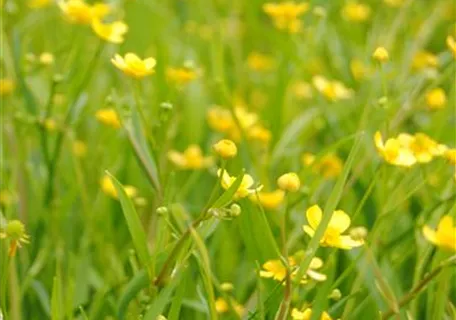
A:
(107, 186)
(78, 11)
(332, 90)
(308, 158)
(444, 236)
(244, 189)
(307, 314)
(424, 148)
(359, 70)
(133, 66)
(269, 200)
(113, 32)
(7, 86)
(260, 62)
(450, 155)
(6, 197)
(36, 4)
(340, 221)
(394, 151)
(259, 133)
(289, 182)
(221, 120)
(46, 58)
(302, 90)
(225, 148)
(192, 158)
(50, 124)
(285, 15)
(436, 98)
(451, 43)
(424, 59)
(108, 117)
(381, 54)
(79, 148)
(181, 76)
(276, 270)
(329, 166)
(222, 306)
(356, 12)
(14, 230)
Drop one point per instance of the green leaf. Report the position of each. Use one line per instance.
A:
(139, 282)
(176, 305)
(227, 196)
(56, 299)
(134, 224)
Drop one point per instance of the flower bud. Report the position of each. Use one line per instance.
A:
(335, 295)
(46, 58)
(358, 233)
(225, 148)
(15, 230)
(162, 211)
(235, 210)
(289, 182)
(381, 54)
(226, 286)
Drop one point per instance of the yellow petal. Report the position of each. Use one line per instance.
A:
(316, 263)
(347, 243)
(379, 140)
(429, 234)
(308, 230)
(317, 276)
(313, 215)
(340, 221)
(445, 225)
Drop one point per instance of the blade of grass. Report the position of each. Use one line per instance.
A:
(140, 281)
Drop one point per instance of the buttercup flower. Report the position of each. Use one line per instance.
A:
(329, 166)
(340, 221)
(444, 236)
(289, 182)
(286, 15)
(269, 200)
(133, 66)
(307, 314)
(450, 155)
(79, 148)
(424, 59)
(46, 58)
(108, 117)
(108, 188)
(181, 76)
(244, 189)
(276, 270)
(78, 11)
(332, 90)
(424, 149)
(359, 70)
(6, 86)
(225, 148)
(436, 98)
(112, 32)
(356, 12)
(222, 306)
(381, 54)
(394, 151)
(15, 232)
(191, 158)
(260, 62)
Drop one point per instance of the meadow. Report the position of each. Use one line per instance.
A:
(214, 159)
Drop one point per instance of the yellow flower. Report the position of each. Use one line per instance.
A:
(332, 90)
(424, 59)
(112, 32)
(6, 86)
(191, 158)
(79, 148)
(259, 133)
(307, 314)
(450, 155)
(180, 76)
(276, 270)
(444, 236)
(225, 148)
(423, 147)
(285, 15)
(359, 70)
(329, 166)
(15, 232)
(222, 306)
(269, 200)
(77, 11)
(109, 189)
(50, 124)
(35, 4)
(302, 90)
(289, 182)
(308, 158)
(394, 151)
(46, 58)
(221, 120)
(340, 221)
(451, 43)
(133, 66)
(436, 98)
(108, 117)
(381, 54)
(356, 12)
(244, 190)
(260, 62)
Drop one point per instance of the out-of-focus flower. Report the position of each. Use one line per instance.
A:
(450, 155)
(358, 233)
(79, 148)
(289, 182)
(6, 197)
(394, 151)
(285, 15)
(15, 232)
(329, 166)
(226, 286)
(424, 59)
(222, 306)
(436, 98)
(46, 58)
(359, 70)
(444, 236)
(246, 187)
(78, 11)
(133, 66)
(424, 148)
(49, 124)
(269, 200)
(340, 221)
(113, 32)
(381, 54)
(332, 90)
(108, 117)
(356, 12)
(192, 158)
(302, 90)
(259, 133)
(308, 158)
(107, 186)
(181, 76)
(276, 270)
(225, 148)
(36, 4)
(451, 43)
(307, 314)
(7, 86)
(260, 62)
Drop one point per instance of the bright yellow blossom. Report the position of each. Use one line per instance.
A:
(381, 54)
(225, 148)
(436, 99)
(332, 90)
(444, 236)
(424, 59)
(394, 151)
(108, 117)
(333, 237)
(46, 58)
(6, 86)
(424, 148)
(451, 43)
(78, 11)
(329, 166)
(192, 158)
(450, 155)
(259, 133)
(244, 190)
(285, 15)
(133, 66)
(113, 32)
(307, 314)
(15, 232)
(109, 189)
(356, 12)
(181, 76)
(260, 62)
(36, 4)
(289, 182)
(221, 120)
(269, 200)
(276, 270)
